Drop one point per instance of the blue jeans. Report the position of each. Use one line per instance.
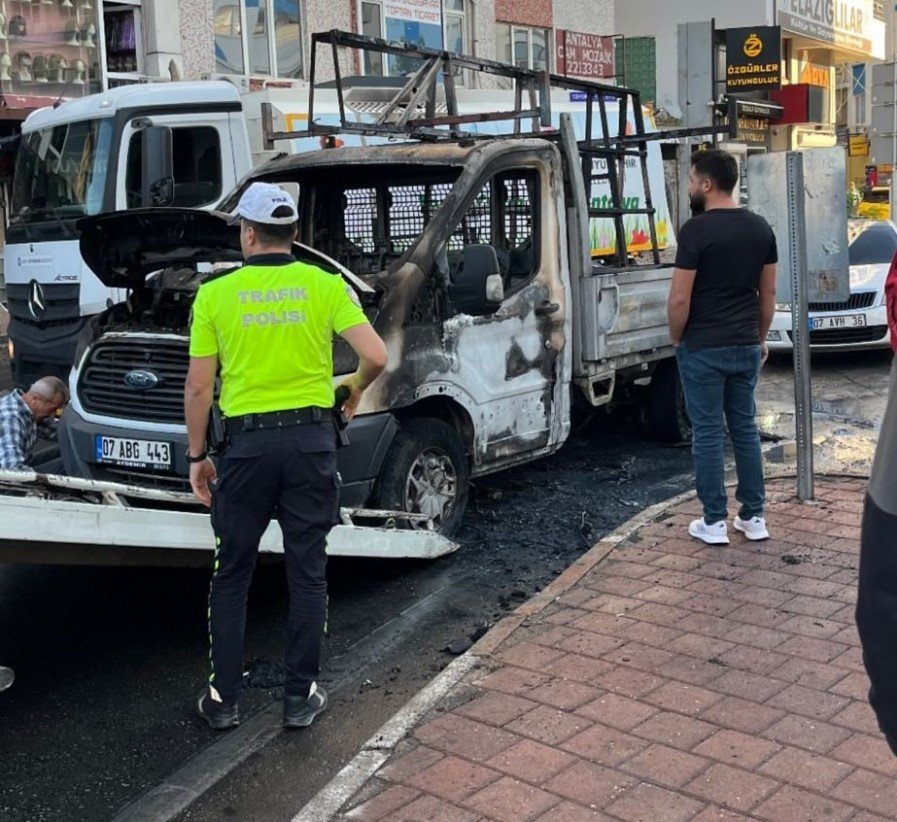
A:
(719, 384)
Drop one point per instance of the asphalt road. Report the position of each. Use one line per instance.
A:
(109, 661)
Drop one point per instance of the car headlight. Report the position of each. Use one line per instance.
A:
(774, 336)
(783, 307)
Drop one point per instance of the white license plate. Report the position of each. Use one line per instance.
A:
(845, 321)
(133, 453)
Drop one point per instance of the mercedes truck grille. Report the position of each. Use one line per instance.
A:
(44, 304)
(136, 379)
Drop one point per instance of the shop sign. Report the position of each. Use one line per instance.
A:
(858, 145)
(415, 22)
(753, 59)
(584, 55)
(753, 132)
(846, 23)
(813, 75)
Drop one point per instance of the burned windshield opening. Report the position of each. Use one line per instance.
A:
(368, 217)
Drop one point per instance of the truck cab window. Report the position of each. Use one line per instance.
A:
(371, 223)
(504, 216)
(197, 167)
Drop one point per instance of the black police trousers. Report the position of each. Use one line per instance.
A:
(288, 474)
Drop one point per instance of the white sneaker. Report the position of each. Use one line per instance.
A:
(753, 528)
(717, 534)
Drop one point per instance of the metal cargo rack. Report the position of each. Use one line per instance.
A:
(411, 114)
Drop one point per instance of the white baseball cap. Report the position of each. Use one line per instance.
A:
(261, 200)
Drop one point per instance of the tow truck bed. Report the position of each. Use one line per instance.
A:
(49, 518)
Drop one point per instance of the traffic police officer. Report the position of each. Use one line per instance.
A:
(269, 325)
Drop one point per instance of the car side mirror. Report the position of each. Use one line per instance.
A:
(157, 167)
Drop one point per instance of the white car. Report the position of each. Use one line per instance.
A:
(861, 321)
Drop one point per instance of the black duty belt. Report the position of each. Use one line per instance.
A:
(277, 419)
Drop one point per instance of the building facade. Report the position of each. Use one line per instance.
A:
(821, 43)
(271, 38)
(60, 49)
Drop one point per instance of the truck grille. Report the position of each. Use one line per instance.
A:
(102, 388)
(62, 303)
(863, 299)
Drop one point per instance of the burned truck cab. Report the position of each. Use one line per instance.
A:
(458, 255)
(125, 422)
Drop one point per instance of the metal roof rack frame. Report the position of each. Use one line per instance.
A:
(412, 115)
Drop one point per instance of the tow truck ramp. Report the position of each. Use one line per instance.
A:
(41, 512)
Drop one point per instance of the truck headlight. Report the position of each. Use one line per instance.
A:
(783, 307)
(774, 336)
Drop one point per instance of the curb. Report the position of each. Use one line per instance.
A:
(326, 804)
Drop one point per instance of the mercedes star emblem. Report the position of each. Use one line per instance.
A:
(37, 303)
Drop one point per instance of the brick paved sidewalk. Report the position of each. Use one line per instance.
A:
(670, 681)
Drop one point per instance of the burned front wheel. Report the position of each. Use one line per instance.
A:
(425, 472)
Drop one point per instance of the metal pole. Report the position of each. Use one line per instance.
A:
(800, 290)
(894, 113)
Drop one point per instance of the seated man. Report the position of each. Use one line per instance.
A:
(22, 414)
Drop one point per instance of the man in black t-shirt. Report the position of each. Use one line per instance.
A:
(721, 304)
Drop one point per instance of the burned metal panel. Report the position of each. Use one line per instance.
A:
(625, 312)
(824, 186)
(510, 371)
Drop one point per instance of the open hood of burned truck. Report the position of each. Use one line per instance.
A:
(123, 247)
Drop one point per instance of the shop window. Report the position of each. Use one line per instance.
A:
(434, 24)
(197, 167)
(258, 37)
(49, 50)
(123, 33)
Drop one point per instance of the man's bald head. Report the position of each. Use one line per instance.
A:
(46, 396)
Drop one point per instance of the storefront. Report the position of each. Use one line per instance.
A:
(817, 39)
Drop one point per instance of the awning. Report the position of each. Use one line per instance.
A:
(19, 106)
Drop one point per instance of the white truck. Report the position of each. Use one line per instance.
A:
(472, 259)
(87, 156)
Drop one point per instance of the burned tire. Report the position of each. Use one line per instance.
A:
(667, 413)
(425, 472)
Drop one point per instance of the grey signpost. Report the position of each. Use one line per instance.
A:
(797, 258)
(813, 260)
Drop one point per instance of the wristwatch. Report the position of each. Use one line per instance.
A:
(198, 458)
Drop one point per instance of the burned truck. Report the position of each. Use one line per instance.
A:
(471, 257)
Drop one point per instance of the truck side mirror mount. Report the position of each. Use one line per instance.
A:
(157, 167)
(477, 287)
(495, 288)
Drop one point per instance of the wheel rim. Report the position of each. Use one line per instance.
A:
(432, 485)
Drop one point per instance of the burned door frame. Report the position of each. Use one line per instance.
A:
(511, 369)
